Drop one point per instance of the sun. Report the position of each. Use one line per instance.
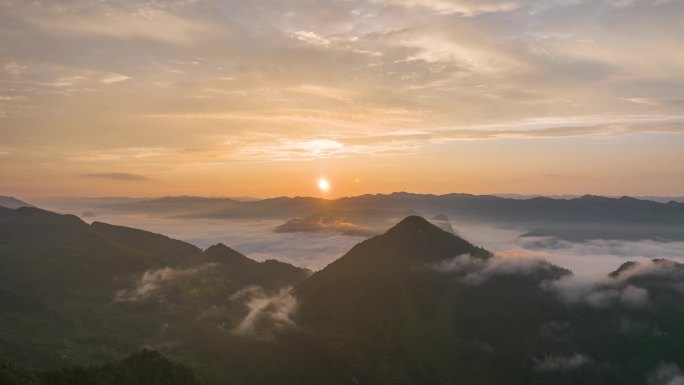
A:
(324, 185)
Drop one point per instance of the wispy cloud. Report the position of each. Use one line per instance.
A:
(114, 78)
(476, 271)
(463, 7)
(552, 363)
(133, 22)
(266, 313)
(666, 373)
(318, 149)
(153, 281)
(121, 176)
(129, 153)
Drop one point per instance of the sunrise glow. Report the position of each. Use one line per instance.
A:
(324, 185)
(134, 98)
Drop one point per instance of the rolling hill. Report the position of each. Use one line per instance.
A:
(414, 305)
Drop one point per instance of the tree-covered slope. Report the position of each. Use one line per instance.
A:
(74, 293)
(418, 305)
(143, 368)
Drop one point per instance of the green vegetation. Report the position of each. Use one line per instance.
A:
(76, 294)
(143, 368)
(416, 305)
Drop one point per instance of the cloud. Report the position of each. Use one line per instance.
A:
(463, 7)
(311, 38)
(288, 150)
(114, 78)
(553, 363)
(610, 291)
(254, 238)
(602, 297)
(592, 259)
(120, 176)
(313, 224)
(267, 313)
(134, 21)
(120, 154)
(475, 271)
(151, 282)
(591, 262)
(666, 373)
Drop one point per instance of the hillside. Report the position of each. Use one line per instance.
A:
(414, 305)
(90, 293)
(418, 305)
(145, 367)
(12, 203)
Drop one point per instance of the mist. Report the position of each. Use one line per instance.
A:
(267, 313)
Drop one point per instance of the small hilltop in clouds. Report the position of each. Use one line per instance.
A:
(12, 203)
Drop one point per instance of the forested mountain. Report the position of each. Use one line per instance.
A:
(145, 367)
(414, 305)
(73, 293)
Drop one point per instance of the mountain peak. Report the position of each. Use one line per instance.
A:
(412, 224)
(415, 228)
(222, 253)
(12, 202)
(412, 243)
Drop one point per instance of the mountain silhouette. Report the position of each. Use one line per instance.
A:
(576, 218)
(414, 305)
(65, 280)
(12, 203)
(144, 367)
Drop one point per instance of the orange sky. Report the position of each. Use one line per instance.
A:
(263, 98)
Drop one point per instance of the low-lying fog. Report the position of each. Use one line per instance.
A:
(314, 250)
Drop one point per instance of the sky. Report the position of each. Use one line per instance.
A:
(265, 97)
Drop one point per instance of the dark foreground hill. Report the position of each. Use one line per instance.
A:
(415, 305)
(418, 305)
(145, 367)
(73, 293)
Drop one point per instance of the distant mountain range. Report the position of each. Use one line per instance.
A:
(575, 219)
(12, 203)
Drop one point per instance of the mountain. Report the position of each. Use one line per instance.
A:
(414, 305)
(12, 203)
(418, 305)
(572, 218)
(145, 367)
(375, 269)
(174, 251)
(199, 207)
(90, 293)
(46, 254)
(396, 318)
(443, 222)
